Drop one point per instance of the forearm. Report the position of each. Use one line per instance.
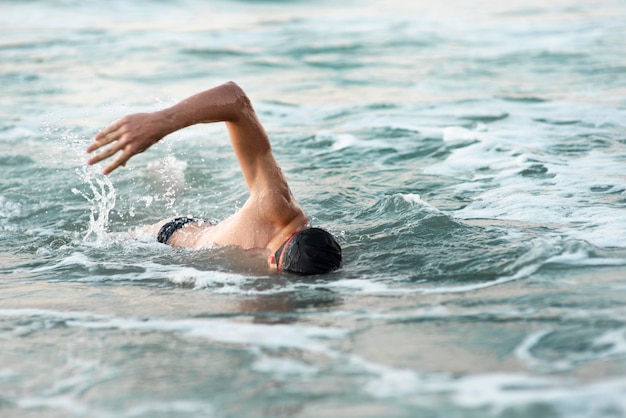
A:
(224, 103)
(228, 103)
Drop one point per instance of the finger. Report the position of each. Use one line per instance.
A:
(121, 160)
(94, 146)
(105, 154)
(109, 129)
(102, 140)
(106, 136)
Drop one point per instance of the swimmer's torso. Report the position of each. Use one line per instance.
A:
(247, 229)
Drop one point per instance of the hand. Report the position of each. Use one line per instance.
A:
(132, 135)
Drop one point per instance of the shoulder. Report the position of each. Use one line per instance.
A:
(276, 205)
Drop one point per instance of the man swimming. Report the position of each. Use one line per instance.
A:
(271, 218)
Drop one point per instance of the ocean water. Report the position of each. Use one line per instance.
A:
(469, 155)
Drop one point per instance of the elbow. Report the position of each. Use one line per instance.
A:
(240, 97)
(233, 85)
(237, 91)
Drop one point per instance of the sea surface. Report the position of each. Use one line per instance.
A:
(470, 156)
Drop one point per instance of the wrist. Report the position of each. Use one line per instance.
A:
(168, 121)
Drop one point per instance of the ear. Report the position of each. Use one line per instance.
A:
(271, 260)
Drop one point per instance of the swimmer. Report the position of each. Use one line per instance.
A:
(270, 219)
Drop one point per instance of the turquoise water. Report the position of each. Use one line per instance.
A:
(469, 156)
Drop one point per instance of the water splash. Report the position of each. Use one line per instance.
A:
(169, 176)
(102, 201)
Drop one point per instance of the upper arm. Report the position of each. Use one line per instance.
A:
(228, 103)
(252, 146)
(264, 177)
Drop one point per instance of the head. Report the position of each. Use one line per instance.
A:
(310, 251)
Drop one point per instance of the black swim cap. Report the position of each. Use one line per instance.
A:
(311, 251)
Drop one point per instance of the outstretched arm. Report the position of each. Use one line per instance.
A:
(270, 197)
(228, 103)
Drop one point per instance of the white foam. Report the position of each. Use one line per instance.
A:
(75, 258)
(72, 406)
(284, 368)
(521, 273)
(523, 351)
(308, 338)
(582, 257)
(491, 389)
(311, 338)
(603, 226)
(386, 381)
(458, 134)
(363, 285)
(416, 199)
(518, 176)
(177, 407)
(611, 343)
(342, 141)
(66, 403)
(501, 391)
(260, 335)
(9, 209)
(614, 339)
(371, 287)
(45, 313)
(231, 282)
(7, 374)
(496, 392)
(566, 197)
